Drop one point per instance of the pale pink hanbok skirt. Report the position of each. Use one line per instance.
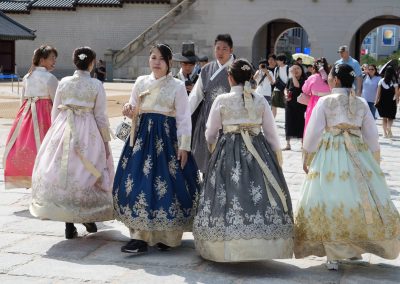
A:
(64, 182)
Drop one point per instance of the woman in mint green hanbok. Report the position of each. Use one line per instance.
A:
(345, 207)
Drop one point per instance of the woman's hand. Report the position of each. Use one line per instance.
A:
(182, 156)
(128, 110)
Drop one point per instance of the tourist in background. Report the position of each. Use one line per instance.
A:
(387, 99)
(345, 58)
(73, 174)
(100, 71)
(187, 60)
(370, 87)
(33, 119)
(281, 77)
(264, 79)
(294, 111)
(316, 86)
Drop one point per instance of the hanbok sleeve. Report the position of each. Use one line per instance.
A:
(23, 90)
(183, 118)
(214, 123)
(370, 134)
(307, 86)
(52, 86)
(271, 132)
(100, 113)
(313, 135)
(134, 94)
(56, 102)
(196, 95)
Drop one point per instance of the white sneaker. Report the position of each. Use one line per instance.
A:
(332, 265)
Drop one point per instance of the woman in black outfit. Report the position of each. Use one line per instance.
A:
(294, 111)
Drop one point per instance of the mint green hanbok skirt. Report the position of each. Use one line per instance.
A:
(345, 207)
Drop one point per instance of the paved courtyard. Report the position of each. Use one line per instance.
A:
(35, 251)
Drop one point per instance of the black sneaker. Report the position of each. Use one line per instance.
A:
(90, 227)
(135, 246)
(70, 231)
(163, 247)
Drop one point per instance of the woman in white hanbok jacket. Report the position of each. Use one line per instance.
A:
(345, 208)
(245, 211)
(73, 172)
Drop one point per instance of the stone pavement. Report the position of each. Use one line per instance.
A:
(36, 251)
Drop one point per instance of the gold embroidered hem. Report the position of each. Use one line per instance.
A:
(211, 147)
(17, 182)
(341, 232)
(336, 250)
(105, 134)
(278, 155)
(58, 212)
(245, 250)
(377, 156)
(184, 142)
(308, 157)
(169, 238)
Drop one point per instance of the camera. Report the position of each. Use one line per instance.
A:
(263, 66)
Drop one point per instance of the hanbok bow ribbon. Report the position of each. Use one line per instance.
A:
(70, 132)
(365, 187)
(248, 100)
(352, 103)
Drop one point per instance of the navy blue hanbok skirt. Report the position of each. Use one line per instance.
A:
(151, 192)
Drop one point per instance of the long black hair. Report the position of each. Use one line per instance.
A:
(390, 75)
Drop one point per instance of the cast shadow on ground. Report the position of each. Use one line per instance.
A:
(184, 262)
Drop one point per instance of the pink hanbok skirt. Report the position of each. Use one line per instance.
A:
(311, 104)
(21, 143)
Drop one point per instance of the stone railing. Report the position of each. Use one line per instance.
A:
(150, 34)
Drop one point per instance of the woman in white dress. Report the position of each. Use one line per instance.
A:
(73, 172)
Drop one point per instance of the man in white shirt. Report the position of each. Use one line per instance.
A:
(264, 79)
(281, 76)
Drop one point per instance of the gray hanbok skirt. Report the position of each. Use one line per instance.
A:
(241, 217)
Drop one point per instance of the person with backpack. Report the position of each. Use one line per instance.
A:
(281, 75)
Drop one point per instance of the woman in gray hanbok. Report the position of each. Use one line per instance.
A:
(245, 211)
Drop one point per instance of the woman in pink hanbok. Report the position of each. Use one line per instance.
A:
(316, 86)
(73, 172)
(33, 119)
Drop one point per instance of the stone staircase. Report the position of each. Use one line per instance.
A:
(178, 25)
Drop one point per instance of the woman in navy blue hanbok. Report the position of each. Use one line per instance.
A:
(156, 183)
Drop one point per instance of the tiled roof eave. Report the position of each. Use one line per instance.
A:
(14, 37)
(100, 5)
(54, 8)
(15, 11)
